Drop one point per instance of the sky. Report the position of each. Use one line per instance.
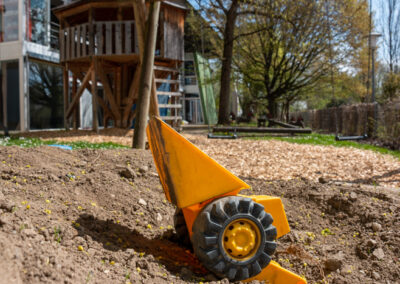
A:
(377, 15)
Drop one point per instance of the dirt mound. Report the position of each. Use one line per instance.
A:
(100, 216)
(269, 159)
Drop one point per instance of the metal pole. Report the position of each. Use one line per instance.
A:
(373, 75)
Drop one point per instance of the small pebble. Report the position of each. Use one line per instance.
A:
(376, 227)
(378, 253)
(375, 275)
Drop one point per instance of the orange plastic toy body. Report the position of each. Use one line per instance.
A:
(191, 180)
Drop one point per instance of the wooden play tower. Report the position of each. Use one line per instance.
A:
(100, 46)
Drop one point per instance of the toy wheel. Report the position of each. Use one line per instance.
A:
(234, 237)
(181, 229)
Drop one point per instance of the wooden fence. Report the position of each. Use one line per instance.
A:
(355, 119)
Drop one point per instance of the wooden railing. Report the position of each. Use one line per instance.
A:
(99, 38)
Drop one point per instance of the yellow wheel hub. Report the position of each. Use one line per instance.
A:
(241, 239)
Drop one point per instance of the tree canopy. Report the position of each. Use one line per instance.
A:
(284, 50)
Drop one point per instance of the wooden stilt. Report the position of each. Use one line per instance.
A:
(66, 96)
(76, 108)
(79, 93)
(125, 84)
(133, 90)
(109, 94)
(107, 113)
(95, 116)
(118, 84)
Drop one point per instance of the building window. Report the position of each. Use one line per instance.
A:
(190, 81)
(189, 68)
(9, 94)
(45, 96)
(8, 20)
(38, 14)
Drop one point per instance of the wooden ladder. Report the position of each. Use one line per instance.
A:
(169, 75)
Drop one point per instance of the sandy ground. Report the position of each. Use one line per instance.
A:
(100, 216)
(272, 160)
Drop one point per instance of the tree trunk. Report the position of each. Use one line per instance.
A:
(225, 91)
(146, 75)
(287, 110)
(271, 106)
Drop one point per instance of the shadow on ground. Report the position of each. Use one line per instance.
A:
(116, 237)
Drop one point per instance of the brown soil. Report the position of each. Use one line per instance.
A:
(100, 216)
(270, 159)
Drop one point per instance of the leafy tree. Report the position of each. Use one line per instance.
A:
(297, 44)
(223, 17)
(391, 86)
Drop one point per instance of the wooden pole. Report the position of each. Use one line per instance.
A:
(79, 93)
(140, 13)
(95, 118)
(76, 108)
(146, 74)
(140, 20)
(66, 94)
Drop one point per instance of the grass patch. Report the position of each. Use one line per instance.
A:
(36, 142)
(329, 140)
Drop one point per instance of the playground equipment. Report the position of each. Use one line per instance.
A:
(347, 138)
(262, 130)
(213, 136)
(233, 235)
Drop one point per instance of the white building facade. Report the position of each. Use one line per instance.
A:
(30, 76)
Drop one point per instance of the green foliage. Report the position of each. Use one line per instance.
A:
(294, 51)
(391, 86)
(35, 142)
(329, 140)
(57, 234)
(326, 232)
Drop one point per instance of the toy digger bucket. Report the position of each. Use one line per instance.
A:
(188, 175)
(190, 178)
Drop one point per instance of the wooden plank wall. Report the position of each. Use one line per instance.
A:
(173, 29)
(104, 38)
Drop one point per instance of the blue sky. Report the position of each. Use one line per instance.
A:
(377, 15)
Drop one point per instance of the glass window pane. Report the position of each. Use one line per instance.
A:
(8, 20)
(45, 96)
(189, 68)
(38, 21)
(9, 91)
(1, 96)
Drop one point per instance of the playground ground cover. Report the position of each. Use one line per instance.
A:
(100, 216)
(314, 157)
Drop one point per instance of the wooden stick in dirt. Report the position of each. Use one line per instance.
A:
(146, 76)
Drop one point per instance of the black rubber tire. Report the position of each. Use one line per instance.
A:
(182, 233)
(207, 240)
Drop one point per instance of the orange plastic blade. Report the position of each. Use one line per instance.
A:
(275, 274)
(274, 206)
(187, 174)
